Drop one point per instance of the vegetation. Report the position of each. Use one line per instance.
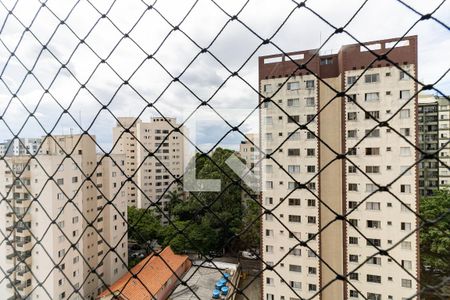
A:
(208, 220)
(435, 238)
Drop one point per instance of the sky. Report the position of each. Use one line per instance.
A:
(208, 24)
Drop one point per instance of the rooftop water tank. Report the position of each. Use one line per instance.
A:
(216, 294)
(219, 285)
(224, 290)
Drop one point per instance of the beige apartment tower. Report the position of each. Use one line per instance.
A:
(325, 217)
(47, 203)
(153, 159)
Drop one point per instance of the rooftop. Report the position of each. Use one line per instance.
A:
(152, 274)
(201, 279)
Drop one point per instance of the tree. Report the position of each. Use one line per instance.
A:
(143, 225)
(174, 197)
(435, 238)
(215, 217)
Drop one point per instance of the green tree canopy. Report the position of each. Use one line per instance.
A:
(435, 238)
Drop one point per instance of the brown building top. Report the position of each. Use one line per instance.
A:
(349, 57)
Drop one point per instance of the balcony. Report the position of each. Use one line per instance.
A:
(24, 246)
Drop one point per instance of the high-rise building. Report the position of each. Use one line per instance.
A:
(153, 158)
(62, 211)
(434, 134)
(325, 216)
(20, 146)
(249, 151)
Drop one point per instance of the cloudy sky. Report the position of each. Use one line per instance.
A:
(206, 25)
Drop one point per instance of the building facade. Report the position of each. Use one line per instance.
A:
(20, 146)
(153, 159)
(48, 203)
(325, 214)
(434, 134)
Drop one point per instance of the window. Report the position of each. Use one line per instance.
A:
(310, 102)
(371, 78)
(295, 285)
(295, 268)
(352, 151)
(405, 114)
(406, 283)
(373, 242)
(312, 287)
(372, 151)
(352, 116)
(403, 75)
(311, 220)
(268, 120)
(311, 202)
(405, 131)
(372, 205)
(405, 226)
(374, 260)
(62, 295)
(293, 119)
(354, 294)
(296, 252)
(293, 85)
(373, 296)
(353, 187)
(353, 222)
(353, 240)
(351, 80)
(293, 152)
(269, 232)
(310, 152)
(407, 264)
(405, 151)
(326, 61)
(269, 249)
(295, 218)
(373, 224)
(352, 169)
(269, 185)
(293, 102)
(309, 84)
(311, 169)
(269, 281)
(353, 276)
(405, 245)
(352, 133)
(353, 258)
(405, 188)
(373, 278)
(372, 169)
(267, 88)
(60, 181)
(269, 136)
(294, 201)
(375, 96)
(375, 114)
(405, 94)
(270, 297)
(293, 169)
(268, 200)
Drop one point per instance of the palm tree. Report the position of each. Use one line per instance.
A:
(174, 197)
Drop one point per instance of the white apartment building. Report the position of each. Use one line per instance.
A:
(319, 202)
(153, 158)
(61, 217)
(20, 146)
(434, 134)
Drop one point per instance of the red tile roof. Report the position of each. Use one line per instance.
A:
(151, 277)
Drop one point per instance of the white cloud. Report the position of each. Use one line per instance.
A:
(233, 46)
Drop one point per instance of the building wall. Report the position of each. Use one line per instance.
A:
(434, 133)
(341, 125)
(63, 195)
(154, 173)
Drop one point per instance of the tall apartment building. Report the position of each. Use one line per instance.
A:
(47, 204)
(309, 198)
(20, 146)
(153, 158)
(249, 151)
(434, 134)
